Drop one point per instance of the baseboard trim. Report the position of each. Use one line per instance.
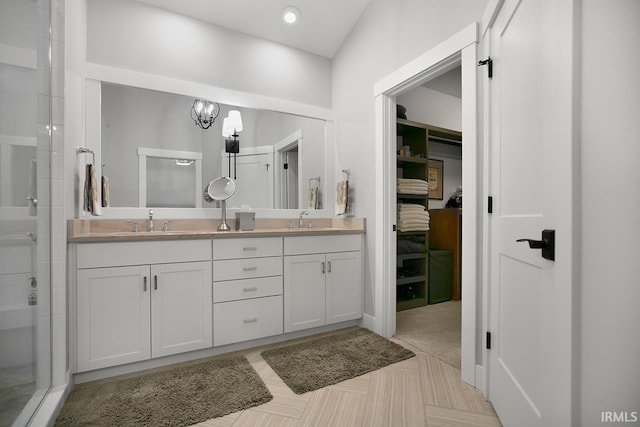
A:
(368, 322)
(480, 380)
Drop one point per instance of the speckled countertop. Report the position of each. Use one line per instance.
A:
(112, 230)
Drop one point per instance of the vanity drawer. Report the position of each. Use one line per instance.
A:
(247, 247)
(244, 320)
(300, 245)
(248, 268)
(233, 290)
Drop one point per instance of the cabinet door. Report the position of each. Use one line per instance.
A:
(304, 297)
(343, 287)
(181, 307)
(113, 316)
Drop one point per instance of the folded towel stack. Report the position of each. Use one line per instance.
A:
(412, 217)
(412, 186)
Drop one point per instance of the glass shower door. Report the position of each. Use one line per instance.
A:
(25, 220)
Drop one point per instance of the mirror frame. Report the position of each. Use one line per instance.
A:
(96, 74)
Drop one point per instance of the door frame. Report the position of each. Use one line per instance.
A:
(279, 148)
(459, 49)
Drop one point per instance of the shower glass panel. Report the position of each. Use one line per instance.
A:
(25, 221)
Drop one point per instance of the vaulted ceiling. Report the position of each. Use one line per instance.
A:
(323, 26)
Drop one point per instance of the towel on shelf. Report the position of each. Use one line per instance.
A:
(91, 202)
(412, 186)
(412, 217)
(342, 197)
(410, 207)
(106, 192)
(411, 181)
(413, 225)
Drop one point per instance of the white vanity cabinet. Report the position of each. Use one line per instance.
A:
(322, 280)
(247, 289)
(138, 300)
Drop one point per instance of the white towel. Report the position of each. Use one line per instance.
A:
(91, 201)
(409, 181)
(342, 197)
(413, 227)
(106, 192)
(312, 203)
(414, 216)
(418, 191)
(410, 206)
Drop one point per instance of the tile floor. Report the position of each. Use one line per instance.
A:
(421, 391)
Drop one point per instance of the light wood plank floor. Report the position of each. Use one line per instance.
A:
(421, 391)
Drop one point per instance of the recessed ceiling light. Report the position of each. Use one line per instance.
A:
(290, 15)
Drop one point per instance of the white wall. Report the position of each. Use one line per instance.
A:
(432, 107)
(132, 35)
(435, 108)
(387, 36)
(609, 344)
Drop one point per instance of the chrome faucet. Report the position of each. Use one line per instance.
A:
(303, 213)
(135, 225)
(150, 223)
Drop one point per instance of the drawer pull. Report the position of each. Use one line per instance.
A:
(329, 266)
(155, 282)
(249, 268)
(145, 283)
(252, 320)
(322, 267)
(250, 248)
(253, 289)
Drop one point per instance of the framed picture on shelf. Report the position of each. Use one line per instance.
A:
(436, 182)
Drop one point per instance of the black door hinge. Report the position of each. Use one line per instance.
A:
(489, 63)
(490, 205)
(285, 166)
(394, 227)
(488, 340)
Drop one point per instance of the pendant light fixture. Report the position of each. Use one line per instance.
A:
(231, 125)
(204, 113)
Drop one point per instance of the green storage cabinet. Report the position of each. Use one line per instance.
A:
(440, 275)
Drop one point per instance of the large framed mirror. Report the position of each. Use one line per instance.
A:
(155, 156)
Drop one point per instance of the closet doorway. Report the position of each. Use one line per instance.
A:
(458, 50)
(429, 310)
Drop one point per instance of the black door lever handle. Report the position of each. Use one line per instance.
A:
(534, 244)
(547, 244)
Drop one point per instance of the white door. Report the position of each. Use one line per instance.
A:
(304, 291)
(343, 286)
(113, 316)
(254, 180)
(530, 309)
(181, 307)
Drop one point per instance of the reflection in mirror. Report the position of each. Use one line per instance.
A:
(18, 183)
(279, 153)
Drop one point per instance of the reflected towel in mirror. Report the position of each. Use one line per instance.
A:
(91, 203)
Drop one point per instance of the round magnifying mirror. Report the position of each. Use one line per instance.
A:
(221, 189)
